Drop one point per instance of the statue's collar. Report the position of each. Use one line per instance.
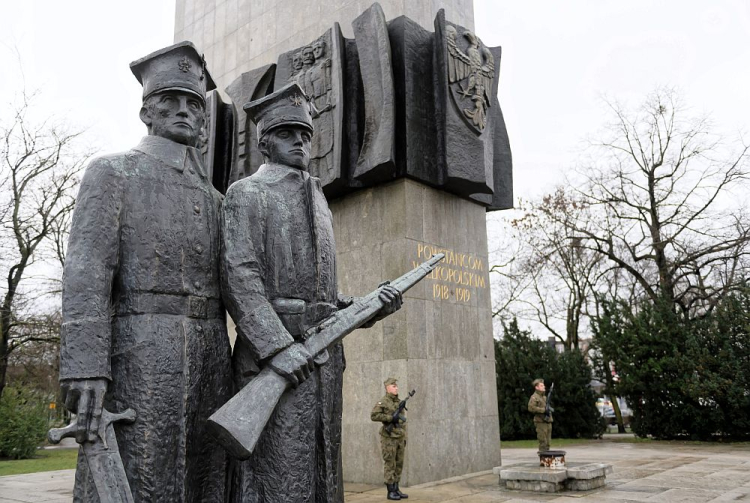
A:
(282, 170)
(167, 151)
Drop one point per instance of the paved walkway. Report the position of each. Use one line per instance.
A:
(642, 473)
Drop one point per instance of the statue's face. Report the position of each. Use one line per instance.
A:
(288, 145)
(319, 49)
(175, 115)
(297, 61)
(308, 56)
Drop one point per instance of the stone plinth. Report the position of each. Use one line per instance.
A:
(440, 343)
(573, 477)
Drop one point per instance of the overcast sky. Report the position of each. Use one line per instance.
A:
(559, 58)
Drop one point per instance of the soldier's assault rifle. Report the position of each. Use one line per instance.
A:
(393, 423)
(239, 423)
(548, 410)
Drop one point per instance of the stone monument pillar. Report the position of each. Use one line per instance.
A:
(414, 152)
(239, 35)
(440, 343)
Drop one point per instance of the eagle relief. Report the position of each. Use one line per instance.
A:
(471, 71)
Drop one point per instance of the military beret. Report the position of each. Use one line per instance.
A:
(537, 381)
(389, 381)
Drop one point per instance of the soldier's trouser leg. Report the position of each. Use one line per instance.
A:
(389, 447)
(543, 433)
(549, 436)
(400, 451)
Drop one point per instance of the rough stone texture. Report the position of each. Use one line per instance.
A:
(589, 471)
(440, 346)
(531, 472)
(575, 477)
(239, 35)
(535, 485)
(585, 485)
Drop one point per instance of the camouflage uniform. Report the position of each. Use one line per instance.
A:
(392, 444)
(537, 405)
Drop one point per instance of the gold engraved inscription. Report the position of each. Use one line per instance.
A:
(459, 275)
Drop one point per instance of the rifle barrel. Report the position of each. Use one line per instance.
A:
(239, 423)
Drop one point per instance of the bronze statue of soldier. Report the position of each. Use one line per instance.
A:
(279, 279)
(143, 322)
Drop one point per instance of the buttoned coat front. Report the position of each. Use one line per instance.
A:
(141, 307)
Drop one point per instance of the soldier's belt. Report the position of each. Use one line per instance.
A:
(191, 306)
(298, 315)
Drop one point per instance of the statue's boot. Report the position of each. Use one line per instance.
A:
(392, 492)
(398, 490)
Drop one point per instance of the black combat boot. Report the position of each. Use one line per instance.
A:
(402, 495)
(392, 493)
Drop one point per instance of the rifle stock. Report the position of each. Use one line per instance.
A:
(238, 424)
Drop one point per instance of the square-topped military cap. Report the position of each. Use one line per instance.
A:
(389, 381)
(286, 107)
(179, 67)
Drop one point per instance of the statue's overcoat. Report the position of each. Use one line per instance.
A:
(279, 277)
(141, 307)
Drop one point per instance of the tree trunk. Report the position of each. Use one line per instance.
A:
(3, 373)
(615, 403)
(4, 343)
(618, 414)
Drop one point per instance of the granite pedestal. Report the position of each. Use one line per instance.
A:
(440, 343)
(572, 477)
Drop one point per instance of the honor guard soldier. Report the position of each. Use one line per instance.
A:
(542, 416)
(392, 437)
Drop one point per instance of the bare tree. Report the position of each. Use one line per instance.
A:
(35, 359)
(550, 278)
(662, 184)
(40, 161)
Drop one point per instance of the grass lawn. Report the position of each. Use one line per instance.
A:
(556, 443)
(559, 443)
(45, 461)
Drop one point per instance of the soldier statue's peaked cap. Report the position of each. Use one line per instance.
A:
(286, 107)
(537, 381)
(179, 67)
(389, 381)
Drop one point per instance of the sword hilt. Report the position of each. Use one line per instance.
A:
(55, 435)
